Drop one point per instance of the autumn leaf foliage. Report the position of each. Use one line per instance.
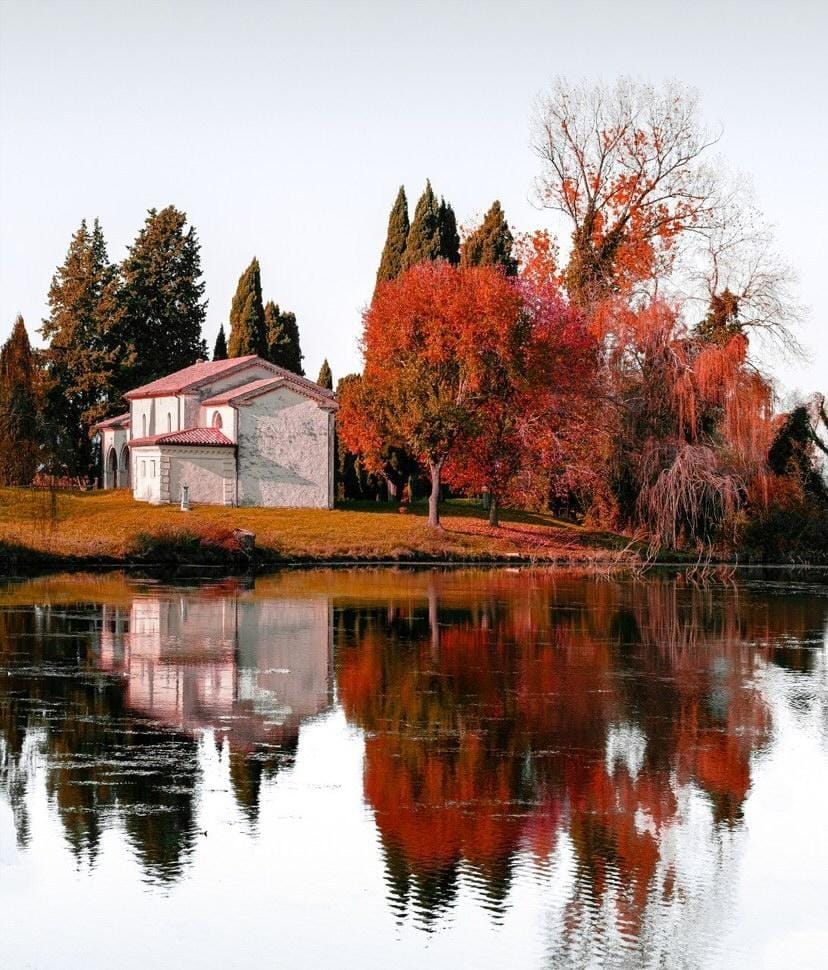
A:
(536, 409)
(463, 366)
(436, 343)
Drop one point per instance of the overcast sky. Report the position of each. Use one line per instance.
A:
(285, 129)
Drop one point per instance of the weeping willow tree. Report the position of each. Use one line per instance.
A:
(692, 424)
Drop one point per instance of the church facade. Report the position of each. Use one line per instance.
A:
(235, 432)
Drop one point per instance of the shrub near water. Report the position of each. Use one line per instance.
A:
(171, 544)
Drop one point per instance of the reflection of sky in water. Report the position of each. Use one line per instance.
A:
(213, 777)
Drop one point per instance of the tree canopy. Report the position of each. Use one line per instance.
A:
(325, 378)
(491, 243)
(396, 239)
(90, 355)
(435, 340)
(248, 330)
(19, 408)
(162, 297)
(220, 346)
(282, 333)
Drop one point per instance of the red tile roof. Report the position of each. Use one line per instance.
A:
(190, 436)
(190, 377)
(119, 421)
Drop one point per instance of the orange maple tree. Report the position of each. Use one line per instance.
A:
(438, 343)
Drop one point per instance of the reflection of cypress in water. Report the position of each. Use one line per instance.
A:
(159, 812)
(248, 771)
(102, 761)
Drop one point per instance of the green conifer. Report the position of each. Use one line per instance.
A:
(248, 331)
(19, 438)
(220, 347)
(283, 339)
(424, 236)
(449, 237)
(391, 262)
(88, 351)
(325, 378)
(491, 243)
(162, 297)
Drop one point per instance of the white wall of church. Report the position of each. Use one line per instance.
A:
(208, 473)
(146, 469)
(285, 452)
(114, 458)
(155, 415)
(226, 412)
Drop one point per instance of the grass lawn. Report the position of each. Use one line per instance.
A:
(105, 526)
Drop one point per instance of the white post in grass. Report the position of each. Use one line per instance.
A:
(185, 497)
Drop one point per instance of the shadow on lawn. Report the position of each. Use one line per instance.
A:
(557, 531)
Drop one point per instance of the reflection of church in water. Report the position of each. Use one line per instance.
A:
(218, 658)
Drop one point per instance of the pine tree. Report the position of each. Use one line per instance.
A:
(248, 330)
(19, 439)
(87, 350)
(424, 236)
(162, 297)
(391, 262)
(449, 237)
(325, 378)
(283, 339)
(491, 243)
(220, 346)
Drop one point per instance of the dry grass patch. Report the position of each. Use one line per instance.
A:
(111, 526)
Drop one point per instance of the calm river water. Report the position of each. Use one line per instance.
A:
(387, 768)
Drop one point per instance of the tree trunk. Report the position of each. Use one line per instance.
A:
(433, 620)
(393, 489)
(435, 468)
(493, 519)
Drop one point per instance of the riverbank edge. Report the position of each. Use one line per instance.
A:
(13, 559)
(23, 561)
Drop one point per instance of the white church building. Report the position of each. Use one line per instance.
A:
(235, 432)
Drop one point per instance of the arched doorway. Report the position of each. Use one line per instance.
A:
(123, 471)
(111, 469)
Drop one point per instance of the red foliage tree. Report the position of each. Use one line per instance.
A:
(438, 343)
(529, 420)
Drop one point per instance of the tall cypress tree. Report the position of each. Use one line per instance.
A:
(19, 439)
(248, 331)
(220, 346)
(433, 233)
(491, 243)
(162, 297)
(391, 262)
(283, 339)
(424, 241)
(449, 237)
(87, 351)
(325, 378)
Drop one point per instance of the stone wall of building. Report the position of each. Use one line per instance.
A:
(285, 456)
(209, 473)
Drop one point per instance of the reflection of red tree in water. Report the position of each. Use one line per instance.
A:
(493, 736)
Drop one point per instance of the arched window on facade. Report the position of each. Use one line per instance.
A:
(143, 425)
(217, 422)
(169, 421)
